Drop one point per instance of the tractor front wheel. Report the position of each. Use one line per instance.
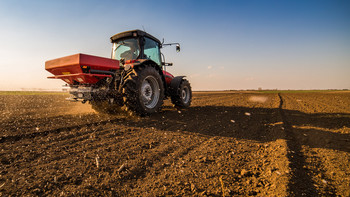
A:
(183, 96)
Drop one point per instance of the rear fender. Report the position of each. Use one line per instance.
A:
(141, 62)
(175, 84)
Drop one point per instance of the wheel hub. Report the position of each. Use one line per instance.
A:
(150, 92)
(185, 95)
(146, 91)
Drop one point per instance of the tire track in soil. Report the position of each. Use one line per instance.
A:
(68, 142)
(148, 163)
(315, 166)
(14, 138)
(120, 138)
(321, 101)
(71, 143)
(314, 105)
(159, 155)
(62, 141)
(132, 172)
(164, 161)
(300, 184)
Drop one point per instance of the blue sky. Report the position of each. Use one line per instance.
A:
(224, 44)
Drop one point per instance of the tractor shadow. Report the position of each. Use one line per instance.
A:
(320, 130)
(258, 124)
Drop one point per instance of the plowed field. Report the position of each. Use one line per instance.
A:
(226, 144)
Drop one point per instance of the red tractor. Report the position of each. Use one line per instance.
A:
(134, 79)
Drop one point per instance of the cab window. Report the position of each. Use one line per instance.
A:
(151, 50)
(128, 49)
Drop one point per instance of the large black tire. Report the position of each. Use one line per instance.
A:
(182, 97)
(143, 90)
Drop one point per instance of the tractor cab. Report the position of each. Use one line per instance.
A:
(136, 44)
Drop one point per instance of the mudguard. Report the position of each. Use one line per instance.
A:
(135, 63)
(175, 84)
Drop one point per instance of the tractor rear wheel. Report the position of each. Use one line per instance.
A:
(183, 96)
(143, 90)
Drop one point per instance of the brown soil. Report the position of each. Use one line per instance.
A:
(226, 144)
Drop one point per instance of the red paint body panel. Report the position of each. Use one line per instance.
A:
(69, 68)
(168, 77)
(80, 77)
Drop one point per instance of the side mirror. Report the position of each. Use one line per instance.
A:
(178, 48)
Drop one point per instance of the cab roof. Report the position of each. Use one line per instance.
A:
(132, 33)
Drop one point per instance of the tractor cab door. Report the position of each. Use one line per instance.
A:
(151, 50)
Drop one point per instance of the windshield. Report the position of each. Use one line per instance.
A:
(128, 49)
